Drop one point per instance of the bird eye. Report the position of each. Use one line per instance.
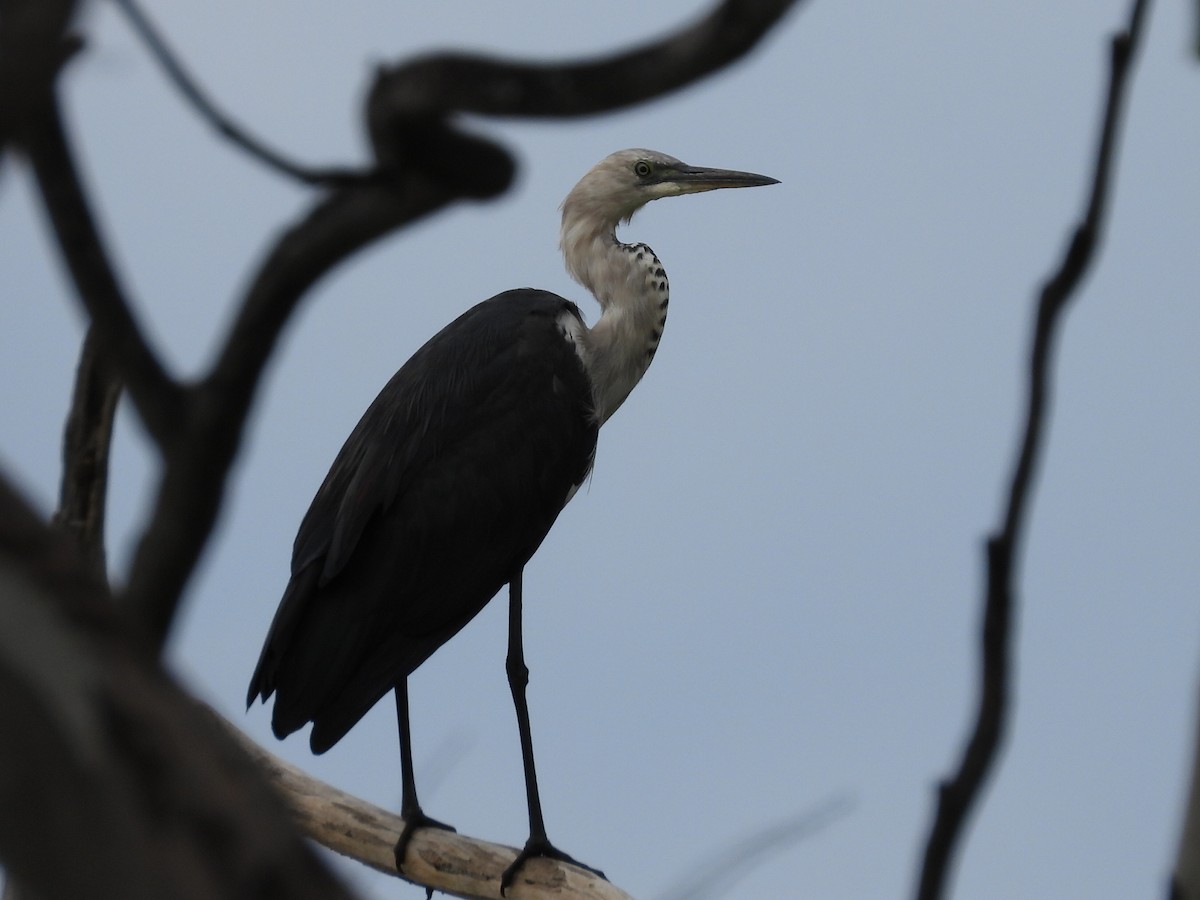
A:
(641, 168)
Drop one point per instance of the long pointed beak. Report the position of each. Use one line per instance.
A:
(692, 179)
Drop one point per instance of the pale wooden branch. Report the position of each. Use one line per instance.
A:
(439, 860)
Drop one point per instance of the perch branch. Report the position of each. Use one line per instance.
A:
(959, 794)
(438, 860)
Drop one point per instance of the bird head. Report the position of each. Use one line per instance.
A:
(622, 183)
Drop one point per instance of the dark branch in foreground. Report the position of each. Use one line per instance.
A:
(957, 796)
(448, 83)
(190, 492)
(86, 446)
(116, 783)
(157, 397)
(410, 103)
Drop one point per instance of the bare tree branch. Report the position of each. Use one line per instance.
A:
(33, 48)
(449, 83)
(86, 445)
(116, 784)
(438, 860)
(958, 795)
(190, 493)
(158, 399)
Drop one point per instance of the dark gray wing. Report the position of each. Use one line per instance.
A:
(443, 491)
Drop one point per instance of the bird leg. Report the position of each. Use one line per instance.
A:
(410, 809)
(518, 678)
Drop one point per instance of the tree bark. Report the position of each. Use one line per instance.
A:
(113, 781)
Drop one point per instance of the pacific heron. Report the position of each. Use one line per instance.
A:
(457, 470)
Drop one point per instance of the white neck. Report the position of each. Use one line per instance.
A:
(630, 285)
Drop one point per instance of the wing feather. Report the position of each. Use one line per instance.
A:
(444, 489)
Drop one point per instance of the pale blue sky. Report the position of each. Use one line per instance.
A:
(767, 595)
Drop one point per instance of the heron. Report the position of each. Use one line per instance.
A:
(457, 471)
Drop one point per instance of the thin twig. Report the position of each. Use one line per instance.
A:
(190, 88)
(958, 795)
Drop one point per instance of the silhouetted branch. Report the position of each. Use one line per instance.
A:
(409, 98)
(409, 103)
(448, 83)
(209, 111)
(957, 796)
(116, 784)
(190, 492)
(86, 445)
(159, 400)
(34, 45)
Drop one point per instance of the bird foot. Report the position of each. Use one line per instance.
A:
(414, 819)
(539, 847)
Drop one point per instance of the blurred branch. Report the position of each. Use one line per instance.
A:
(86, 444)
(437, 860)
(409, 103)
(958, 795)
(224, 125)
(34, 45)
(190, 493)
(116, 784)
(159, 400)
(447, 83)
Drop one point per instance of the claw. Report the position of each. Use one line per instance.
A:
(534, 848)
(413, 820)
